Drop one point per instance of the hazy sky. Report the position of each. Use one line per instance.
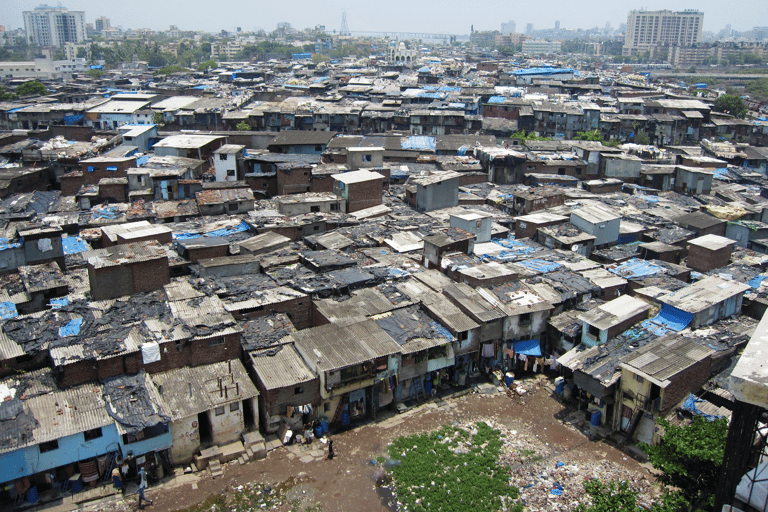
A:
(431, 16)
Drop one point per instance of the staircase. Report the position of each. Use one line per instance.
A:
(217, 471)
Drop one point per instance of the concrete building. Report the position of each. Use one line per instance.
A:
(434, 192)
(539, 46)
(228, 161)
(646, 29)
(599, 222)
(54, 26)
(611, 319)
(360, 189)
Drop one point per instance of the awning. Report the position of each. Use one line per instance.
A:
(527, 347)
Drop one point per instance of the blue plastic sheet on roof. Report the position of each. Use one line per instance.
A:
(58, 303)
(74, 245)
(636, 268)
(755, 281)
(432, 95)
(105, 212)
(425, 69)
(649, 199)
(5, 244)
(396, 272)
(186, 236)
(73, 119)
(424, 142)
(457, 105)
(527, 347)
(8, 310)
(669, 319)
(72, 328)
(462, 151)
(142, 160)
(497, 99)
(538, 265)
(97, 66)
(690, 406)
(442, 331)
(229, 231)
(720, 174)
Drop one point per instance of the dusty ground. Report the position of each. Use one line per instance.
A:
(347, 483)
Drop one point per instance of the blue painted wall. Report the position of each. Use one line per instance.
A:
(28, 461)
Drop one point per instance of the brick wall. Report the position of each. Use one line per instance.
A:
(471, 179)
(110, 367)
(110, 282)
(150, 275)
(212, 351)
(70, 184)
(321, 184)
(364, 194)
(299, 310)
(203, 253)
(77, 373)
(293, 181)
(114, 191)
(261, 185)
(704, 260)
(689, 380)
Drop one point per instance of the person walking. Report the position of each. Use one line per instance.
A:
(331, 453)
(142, 487)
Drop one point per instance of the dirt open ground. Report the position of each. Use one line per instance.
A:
(348, 482)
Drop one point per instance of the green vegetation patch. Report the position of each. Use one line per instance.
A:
(452, 470)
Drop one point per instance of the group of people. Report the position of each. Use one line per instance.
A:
(117, 479)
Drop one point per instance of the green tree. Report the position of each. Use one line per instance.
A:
(730, 104)
(757, 87)
(642, 138)
(157, 118)
(96, 73)
(203, 66)
(690, 457)
(521, 135)
(6, 95)
(242, 126)
(595, 135)
(35, 87)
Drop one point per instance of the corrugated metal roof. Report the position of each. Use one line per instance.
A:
(284, 369)
(338, 347)
(190, 391)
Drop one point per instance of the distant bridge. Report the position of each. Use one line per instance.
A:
(407, 35)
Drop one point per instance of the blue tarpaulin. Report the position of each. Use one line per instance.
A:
(755, 281)
(74, 245)
(105, 212)
(73, 119)
(669, 319)
(442, 331)
(527, 347)
(419, 142)
(58, 303)
(8, 310)
(538, 265)
(497, 99)
(72, 328)
(690, 406)
(229, 231)
(636, 268)
(5, 244)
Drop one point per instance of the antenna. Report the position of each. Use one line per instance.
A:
(344, 27)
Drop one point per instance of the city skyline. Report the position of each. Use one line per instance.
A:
(430, 17)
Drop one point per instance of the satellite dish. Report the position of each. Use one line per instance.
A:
(575, 247)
